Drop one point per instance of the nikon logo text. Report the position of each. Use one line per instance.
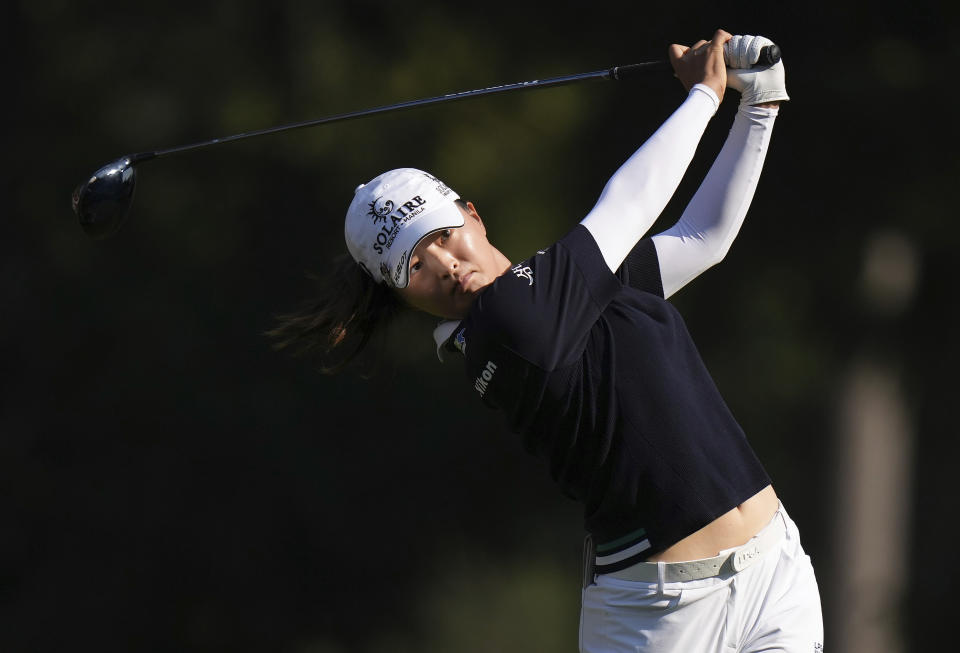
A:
(480, 385)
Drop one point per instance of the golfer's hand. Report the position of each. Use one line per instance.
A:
(702, 64)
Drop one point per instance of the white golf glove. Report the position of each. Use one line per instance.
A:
(756, 85)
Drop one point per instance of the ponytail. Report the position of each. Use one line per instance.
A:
(349, 310)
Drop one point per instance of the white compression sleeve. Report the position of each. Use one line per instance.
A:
(705, 231)
(636, 193)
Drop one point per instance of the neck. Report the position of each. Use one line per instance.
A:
(503, 263)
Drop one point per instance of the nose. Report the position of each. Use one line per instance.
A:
(446, 262)
(452, 265)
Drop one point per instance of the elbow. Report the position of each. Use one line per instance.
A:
(717, 254)
(628, 192)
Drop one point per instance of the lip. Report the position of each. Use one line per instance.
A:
(464, 282)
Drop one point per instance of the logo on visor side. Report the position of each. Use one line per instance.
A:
(399, 215)
(460, 341)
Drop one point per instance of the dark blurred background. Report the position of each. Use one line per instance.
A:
(167, 482)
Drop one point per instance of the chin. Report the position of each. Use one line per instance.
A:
(459, 312)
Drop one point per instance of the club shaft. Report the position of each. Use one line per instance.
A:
(769, 54)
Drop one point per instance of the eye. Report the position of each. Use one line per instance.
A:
(446, 233)
(416, 265)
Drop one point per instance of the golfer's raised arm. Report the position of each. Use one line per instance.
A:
(703, 234)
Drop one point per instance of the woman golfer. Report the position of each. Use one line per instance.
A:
(689, 549)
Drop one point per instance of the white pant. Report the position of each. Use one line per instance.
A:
(772, 605)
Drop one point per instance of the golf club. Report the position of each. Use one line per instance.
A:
(103, 201)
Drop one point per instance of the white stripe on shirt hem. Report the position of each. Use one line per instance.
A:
(630, 551)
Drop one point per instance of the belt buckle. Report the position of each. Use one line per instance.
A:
(746, 556)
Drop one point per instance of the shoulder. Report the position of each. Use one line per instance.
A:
(543, 306)
(572, 265)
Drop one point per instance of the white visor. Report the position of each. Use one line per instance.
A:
(390, 215)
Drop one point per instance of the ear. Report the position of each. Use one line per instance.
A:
(472, 210)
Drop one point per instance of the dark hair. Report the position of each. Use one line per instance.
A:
(349, 310)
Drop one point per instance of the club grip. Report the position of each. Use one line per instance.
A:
(769, 55)
(634, 70)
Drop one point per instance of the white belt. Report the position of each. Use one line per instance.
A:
(729, 562)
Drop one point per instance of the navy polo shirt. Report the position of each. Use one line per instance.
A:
(599, 375)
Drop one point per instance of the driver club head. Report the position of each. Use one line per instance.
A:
(103, 201)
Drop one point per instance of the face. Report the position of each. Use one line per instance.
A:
(448, 268)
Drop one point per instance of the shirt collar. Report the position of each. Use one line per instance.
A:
(442, 333)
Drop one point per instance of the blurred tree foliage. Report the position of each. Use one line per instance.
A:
(169, 483)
